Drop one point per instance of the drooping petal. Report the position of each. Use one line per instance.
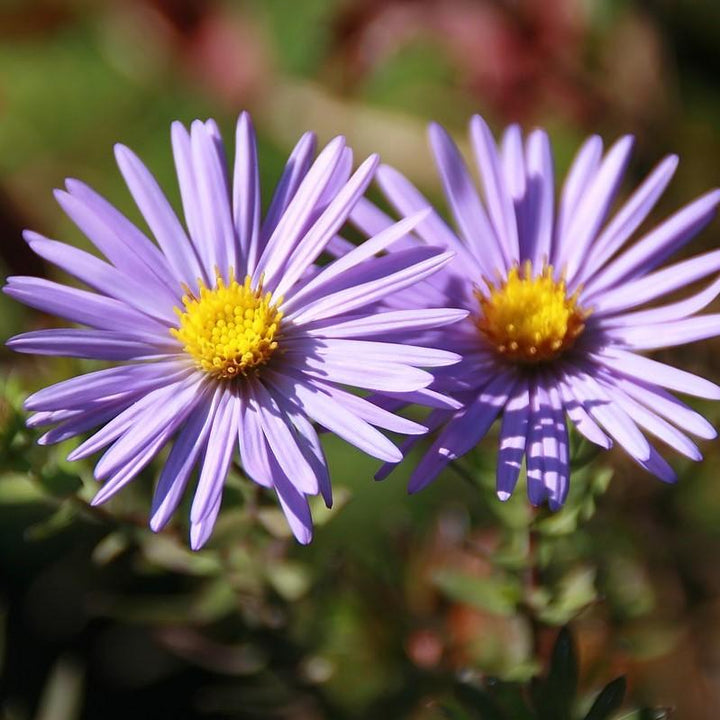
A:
(218, 454)
(653, 423)
(461, 433)
(281, 439)
(181, 461)
(513, 438)
(334, 416)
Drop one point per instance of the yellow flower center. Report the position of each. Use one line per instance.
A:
(530, 319)
(229, 329)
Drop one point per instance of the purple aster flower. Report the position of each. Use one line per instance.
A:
(229, 334)
(556, 299)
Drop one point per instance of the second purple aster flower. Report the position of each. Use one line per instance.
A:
(229, 335)
(558, 307)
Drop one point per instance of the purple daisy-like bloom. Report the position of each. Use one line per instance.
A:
(230, 334)
(555, 294)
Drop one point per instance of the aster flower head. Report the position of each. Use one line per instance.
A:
(558, 299)
(229, 336)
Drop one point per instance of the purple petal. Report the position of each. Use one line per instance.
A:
(92, 344)
(80, 421)
(575, 397)
(158, 421)
(666, 313)
(295, 170)
(116, 237)
(246, 195)
(652, 249)
(613, 418)
(667, 334)
(125, 420)
(652, 423)
(293, 223)
(540, 200)
(85, 308)
(78, 392)
(631, 215)
(181, 461)
(462, 197)
(540, 419)
(407, 200)
(513, 436)
(309, 444)
(152, 300)
(463, 432)
(379, 376)
(662, 282)
(334, 416)
(218, 239)
(218, 454)
(282, 441)
(513, 162)
(665, 404)
(190, 195)
(373, 351)
(339, 270)
(200, 531)
(370, 220)
(129, 471)
(160, 217)
(593, 208)
(393, 273)
(642, 368)
(372, 413)
(498, 200)
(557, 478)
(386, 323)
(253, 447)
(293, 503)
(583, 169)
(332, 219)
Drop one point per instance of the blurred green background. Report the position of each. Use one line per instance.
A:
(99, 618)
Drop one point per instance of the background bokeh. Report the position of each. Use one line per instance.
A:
(101, 619)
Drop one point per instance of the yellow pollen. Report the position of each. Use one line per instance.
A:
(229, 329)
(530, 319)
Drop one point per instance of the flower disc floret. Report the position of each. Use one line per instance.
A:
(530, 319)
(229, 329)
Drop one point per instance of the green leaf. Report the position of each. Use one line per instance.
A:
(555, 697)
(499, 595)
(452, 713)
(290, 580)
(479, 702)
(60, 483)
(19, 490)
(608, 701)
(574, 592)
(52, 525)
